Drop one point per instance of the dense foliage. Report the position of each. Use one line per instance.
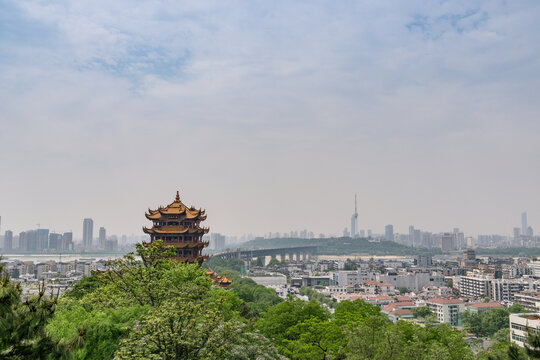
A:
(315, 295)
(342, 246)
(149, 307)
(23, 323)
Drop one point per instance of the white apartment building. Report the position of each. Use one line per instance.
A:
(535, 268)
(476, 285)
(447, 310)
(520, 324)
(503, 290)
(345, 278)
(530, 300)
(413, 280)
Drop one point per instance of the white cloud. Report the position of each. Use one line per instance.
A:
(271, 110)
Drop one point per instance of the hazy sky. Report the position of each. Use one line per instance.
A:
(271, 114)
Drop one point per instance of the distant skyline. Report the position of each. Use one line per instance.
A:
(271, 115)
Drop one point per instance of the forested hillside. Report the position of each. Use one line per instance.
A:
(340, 246)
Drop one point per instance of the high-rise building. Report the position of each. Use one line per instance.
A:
(217, 241)
(354, 220)
(31, 240)
(102, 237)
(411, 236)
(524, 223)
(111, 244)
(67, 241)
(23, 241)
(8, 240)
(88, 233)
(55, 241)
(447, 242)
(389, 233)
(42, 239)
(517, 232)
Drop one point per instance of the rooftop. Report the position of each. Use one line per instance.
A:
(487, 305)
(445, 301)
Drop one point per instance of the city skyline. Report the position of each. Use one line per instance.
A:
(360, 231)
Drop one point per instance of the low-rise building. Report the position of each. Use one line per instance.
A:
(447, 310)
(521, 324)
(479, 307)
(399, 310)
(315, 281)
(377, 287)
(530, 300)
(413, 280)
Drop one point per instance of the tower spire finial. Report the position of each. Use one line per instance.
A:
(355, 207)
(177, 195)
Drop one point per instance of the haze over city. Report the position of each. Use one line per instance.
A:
(271, 116)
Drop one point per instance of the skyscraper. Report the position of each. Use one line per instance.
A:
(42, 239)
(354, 220)
(67, 241)
(524, 223)
(389, 233)
(8, 240)
(55, 241)
(88, 233)
(102, 237)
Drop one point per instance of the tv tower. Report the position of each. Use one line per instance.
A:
(354, 220)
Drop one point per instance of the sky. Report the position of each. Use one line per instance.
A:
(271, 115)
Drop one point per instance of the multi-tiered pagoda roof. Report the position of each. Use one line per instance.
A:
(179, 226)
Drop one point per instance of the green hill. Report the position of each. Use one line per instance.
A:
(338, 246)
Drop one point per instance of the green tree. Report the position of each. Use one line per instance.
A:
(354, 312)
(421, 312)
(276, 322)
(273, 262)
(192, 330)
(136, 290)
(473, 323)
(532, 345)
(516, 308)
(403, 290)
(23, 323)
(502, 335)
(315, 339)
(493, 320)
(257, 298)
(259, 262)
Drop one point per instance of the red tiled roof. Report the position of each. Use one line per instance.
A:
(370, 282)
(397, 305)
(487, 305)
(445, 301)
(401, 312)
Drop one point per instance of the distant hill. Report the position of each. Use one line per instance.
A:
(338, 246)
(513, 251)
